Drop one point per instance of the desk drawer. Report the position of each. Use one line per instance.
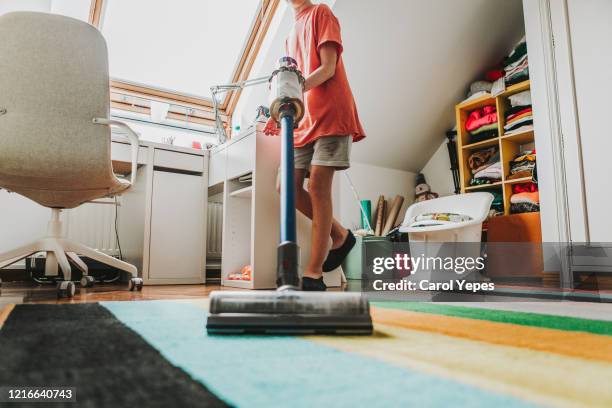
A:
(123, 153)
(241, 157)
(179, 161)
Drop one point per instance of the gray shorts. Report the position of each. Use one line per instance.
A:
(331, 151)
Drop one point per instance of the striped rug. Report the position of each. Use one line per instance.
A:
(421, 355)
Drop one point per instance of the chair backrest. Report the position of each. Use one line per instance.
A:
(53, 82)
(476, 205)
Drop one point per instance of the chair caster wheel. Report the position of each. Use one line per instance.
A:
(135, 284)
(65, 289)
(87, 281)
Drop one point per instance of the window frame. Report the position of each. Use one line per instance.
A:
(241, 71)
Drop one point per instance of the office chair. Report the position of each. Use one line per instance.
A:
(55, 132)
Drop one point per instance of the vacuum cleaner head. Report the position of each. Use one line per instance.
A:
(288, 312)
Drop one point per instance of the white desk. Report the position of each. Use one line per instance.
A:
(161, 219)
(162, 222)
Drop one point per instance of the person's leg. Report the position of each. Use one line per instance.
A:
(303, 203)
(320, 191)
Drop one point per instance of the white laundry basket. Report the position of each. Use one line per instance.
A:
(459, 239)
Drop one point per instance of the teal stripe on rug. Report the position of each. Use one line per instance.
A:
(504, 316)
(258, 371)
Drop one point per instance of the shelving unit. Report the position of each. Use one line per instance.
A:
(508, 145)
(243, 173)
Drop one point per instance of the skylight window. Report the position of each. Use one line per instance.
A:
(72, 8)
(181, 46)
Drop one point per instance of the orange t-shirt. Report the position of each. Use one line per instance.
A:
(330, 107)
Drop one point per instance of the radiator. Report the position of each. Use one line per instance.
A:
(215, 230)
(93, 225)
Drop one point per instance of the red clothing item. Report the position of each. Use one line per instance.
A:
(493, 75)
(330, 107)
(524, 188)
(481, 117)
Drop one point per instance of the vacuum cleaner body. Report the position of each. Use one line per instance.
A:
(288, 310)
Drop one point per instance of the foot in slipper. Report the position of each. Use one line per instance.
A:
(313, 285)
(337, 256)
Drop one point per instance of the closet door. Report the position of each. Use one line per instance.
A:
(590, 30)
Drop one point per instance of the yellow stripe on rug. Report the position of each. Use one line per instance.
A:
(575, 344)
(539, 377)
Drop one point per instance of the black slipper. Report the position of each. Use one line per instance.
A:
(337, 256)
(313, 285)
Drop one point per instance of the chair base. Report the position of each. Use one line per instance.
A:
(61, 253)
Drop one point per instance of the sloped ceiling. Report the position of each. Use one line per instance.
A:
(410, 61)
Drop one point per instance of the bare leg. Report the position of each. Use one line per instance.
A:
(320, 191)
(303, 203)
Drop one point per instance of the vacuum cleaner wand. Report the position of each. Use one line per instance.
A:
(288, 249)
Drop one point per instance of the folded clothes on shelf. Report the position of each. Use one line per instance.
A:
(516, 118)
(515, 124)
(492, 172)
(520, 99)
(516, 66)
(525, 198)
(498, 201)
(522, 165)
(477, 118)
(518, 113)
(524, 188)
(481, 123)
(521, 129)
(513, 110)
(532, 197)
(480, 86)
(494, 74)
(520, 208)
(481, 158)
(481, 181)
(519, 52)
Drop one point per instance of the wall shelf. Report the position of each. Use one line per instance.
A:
(519, 180)
(242, 284)
(521, 138)
(508, 145)
(484, 186)
(480, 145)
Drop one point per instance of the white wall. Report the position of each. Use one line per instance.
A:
(21, 220)
(437, 172)
(570, 84)
(25, 5)
(370, 182)
(590, 28)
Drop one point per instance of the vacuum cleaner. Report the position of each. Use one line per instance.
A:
(287, 310)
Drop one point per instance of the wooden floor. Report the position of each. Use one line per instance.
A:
(12, 293)
(18, 292)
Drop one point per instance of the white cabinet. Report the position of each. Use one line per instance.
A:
(217, 167)
(251, 213)
(176, 250)
(162, 218)
(241, 156)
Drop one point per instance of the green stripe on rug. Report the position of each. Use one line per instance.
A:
(502, 316)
